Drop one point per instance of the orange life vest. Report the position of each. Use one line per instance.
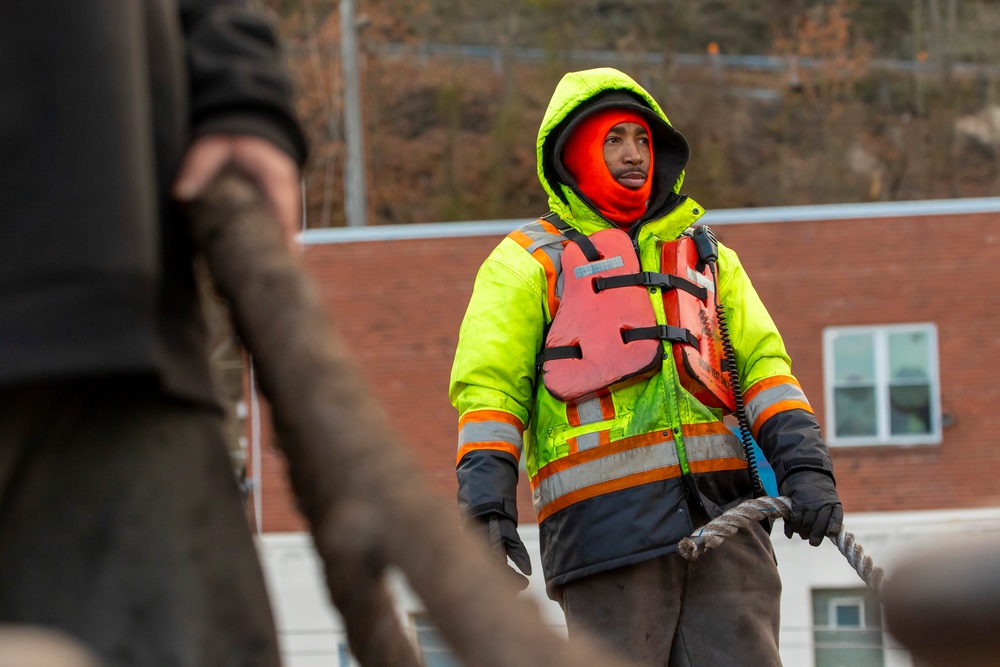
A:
(605, 331)
(699, 366)
(584, 348)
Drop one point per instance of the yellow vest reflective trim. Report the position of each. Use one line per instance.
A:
(585, 441)
(631, 462)
(772, 395)
(591, 410)
(490, 429)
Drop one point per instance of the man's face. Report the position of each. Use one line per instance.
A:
(626, 152)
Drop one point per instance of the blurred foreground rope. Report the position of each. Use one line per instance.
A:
(361, 491)
(715, 531)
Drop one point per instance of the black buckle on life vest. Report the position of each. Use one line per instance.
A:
(650, 279)
(663, 332)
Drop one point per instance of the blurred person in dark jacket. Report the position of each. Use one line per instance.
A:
(120, 520)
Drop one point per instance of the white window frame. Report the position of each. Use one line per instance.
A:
(831, 613)
(880, 334)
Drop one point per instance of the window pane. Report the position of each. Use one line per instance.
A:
(848, 615)
(909, 357)
(840, 639)
(855, 411)
(854, 358)
(910, 409)
(882, 384)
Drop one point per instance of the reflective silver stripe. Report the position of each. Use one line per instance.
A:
(588, 441)
(540, 237)
(615, 466)
(585, 270)
(551, 244)
(554, 254)
(715, 446)
(590, 411)
(768, 397)
(701, 280)
(633, 462)
(489, 432)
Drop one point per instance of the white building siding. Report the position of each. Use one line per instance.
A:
(311, 632)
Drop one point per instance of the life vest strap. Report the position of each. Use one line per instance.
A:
(560, 352)
(586, 245)
(663, 332)
(650, 279)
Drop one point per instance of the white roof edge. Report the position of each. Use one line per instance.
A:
(732, 216)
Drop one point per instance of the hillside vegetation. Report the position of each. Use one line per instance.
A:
(799, 102)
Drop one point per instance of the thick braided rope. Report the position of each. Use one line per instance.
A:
(871, 574)
(715, 531)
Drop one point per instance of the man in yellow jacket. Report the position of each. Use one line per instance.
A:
(594, 352)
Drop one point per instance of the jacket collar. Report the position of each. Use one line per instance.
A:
(681, 214)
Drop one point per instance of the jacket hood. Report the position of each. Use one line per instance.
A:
(579, 94)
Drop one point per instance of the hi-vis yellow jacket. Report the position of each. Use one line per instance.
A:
(623, 475)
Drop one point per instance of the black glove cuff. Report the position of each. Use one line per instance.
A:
(800, 465)
(505, 508)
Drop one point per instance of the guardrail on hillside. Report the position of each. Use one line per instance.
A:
(767, 63)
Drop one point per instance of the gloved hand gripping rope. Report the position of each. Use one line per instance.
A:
(715, 531)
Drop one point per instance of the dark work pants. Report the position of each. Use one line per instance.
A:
(722, 610)
(121, 524)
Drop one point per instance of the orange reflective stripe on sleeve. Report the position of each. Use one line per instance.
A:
(771, 396)
(489, 429)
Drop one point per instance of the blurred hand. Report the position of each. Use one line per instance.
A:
(816, 508)
(273, 171)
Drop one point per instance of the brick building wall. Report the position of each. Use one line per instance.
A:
(399, 302)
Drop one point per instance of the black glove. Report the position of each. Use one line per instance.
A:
(816, 509)
(501, 534)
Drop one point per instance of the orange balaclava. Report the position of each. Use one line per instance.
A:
(583, 157)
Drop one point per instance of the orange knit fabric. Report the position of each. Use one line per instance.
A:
(583, 156)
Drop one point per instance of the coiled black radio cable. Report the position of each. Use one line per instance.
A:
(708, 251)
